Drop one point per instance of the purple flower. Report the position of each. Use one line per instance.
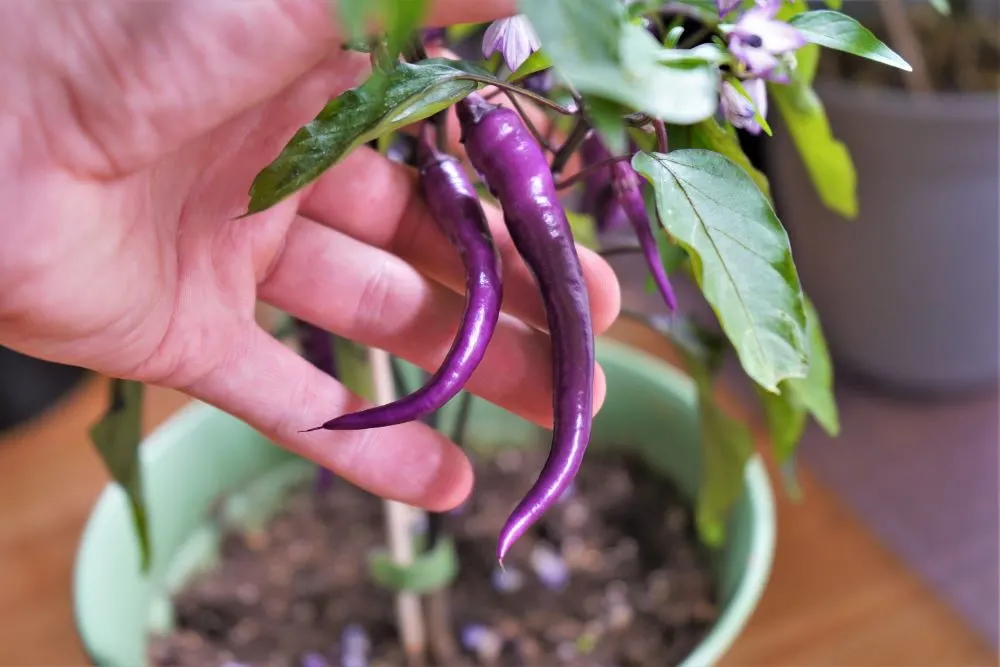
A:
(354, 646)
(739, 110)
(313, 659)
(507, 579)
(550, 567)
(481, 641)
(514, 37)
(760, 41)
(726, 6)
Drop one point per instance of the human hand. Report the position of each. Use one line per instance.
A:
(129, 136)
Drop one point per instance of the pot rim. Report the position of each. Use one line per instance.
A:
(719, 640)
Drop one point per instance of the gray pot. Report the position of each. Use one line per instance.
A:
(908, 292)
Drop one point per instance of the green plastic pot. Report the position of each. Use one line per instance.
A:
(202, 453)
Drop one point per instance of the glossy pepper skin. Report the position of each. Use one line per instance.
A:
(454, 205)
(503, 150)
(627, 193)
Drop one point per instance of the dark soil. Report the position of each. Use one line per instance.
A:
(962, 54)
(639, 590)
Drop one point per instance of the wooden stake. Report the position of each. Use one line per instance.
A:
(399, 529)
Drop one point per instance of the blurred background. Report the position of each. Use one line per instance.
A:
(909, 297)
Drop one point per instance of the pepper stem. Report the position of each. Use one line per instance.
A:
(573, 141)
(583, 173)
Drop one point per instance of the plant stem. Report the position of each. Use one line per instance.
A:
(619, 250)
(541, 99)
(435, 520)
(527, 121)
(661, 136)
(573, 141)
(440, 631)
(583, 173)
(399, 530)
(905, 39)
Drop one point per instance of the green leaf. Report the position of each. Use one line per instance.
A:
(726, 443)
(382, 104)
(842, 33)
(354, 369)
(536, 62)
(584, 229)
(786, 413)
(117, 437)
(401, 19)
(740, 257)
(459, 31)
(837, 4)
(713, 136)
(827, 160)
(430, 570)
(942, 7)
(605, 117)
(597, 51)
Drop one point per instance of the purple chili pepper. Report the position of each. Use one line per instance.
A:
(455, 206)
(627, 191)
(516, 171)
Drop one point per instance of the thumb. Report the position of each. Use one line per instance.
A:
(138, 79)
(275, 390)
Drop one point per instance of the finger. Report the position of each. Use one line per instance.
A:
(377, 202)
(375, 298)
(279, 393)
(449, 12)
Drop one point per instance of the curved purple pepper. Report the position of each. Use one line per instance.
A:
(627, 191)
(502, 149)
(455, 206)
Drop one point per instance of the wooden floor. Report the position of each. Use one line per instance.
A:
(836, 598)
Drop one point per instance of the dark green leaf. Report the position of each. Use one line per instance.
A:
(117, 437)
(599, 52)
(409, 93)
(711, 135)
(430, 571)
(740, 257)
(827, 160)
(786, 413)
(841, 32)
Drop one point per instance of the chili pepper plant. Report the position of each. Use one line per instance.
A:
(650, 97)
